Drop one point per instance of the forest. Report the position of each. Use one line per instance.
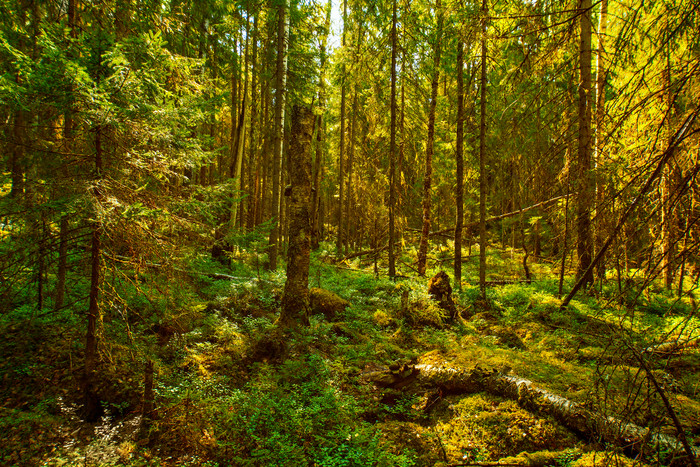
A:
(349, 232)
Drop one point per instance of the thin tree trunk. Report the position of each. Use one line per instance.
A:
(341, 148)
(280, 95)
(482, 157)
(392, 148)
(68, 133)
(265, 157)
(318, 161)
(284, 182)
(253, 162)
(669, 217)
(234, 110)
(428, 177)
(92, 409)
(62, 271)
(237, 174)
(245, 162)
(148, 407)
(459, 156)
(583, 205)
(351, 156)
(601, 76)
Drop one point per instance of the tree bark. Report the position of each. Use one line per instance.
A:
(295, 301)
(341, 148)
(669, 215)
(583, 205)
(280, 95)
(459, 157)
(253, 164)
(482, 156)
(67, 139)
(429, 151)
(92, 409)
(601, 76)
(318, 161)
(351, 157)
(392, 147)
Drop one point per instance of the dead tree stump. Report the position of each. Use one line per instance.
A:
(440, 290)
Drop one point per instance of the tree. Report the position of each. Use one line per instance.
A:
(583, 209)
(601, 78)
(459, 157)
(429, 151)
(392, 147)
(341, 147)
(295, 300)
(482, 154)
(280, 96)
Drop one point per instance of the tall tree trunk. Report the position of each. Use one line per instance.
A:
(67, 138)
(237, 174)
(295, 300)
(238, 148)
(92, 409)
(284, 182)
(341, 149)
(601, 75)
(428, 176)
(351, 157)
(392, 148)
(482, 156)
(669, 216)
(234, 109)
(318, 158)
(280, 96)
(351, 147)
(459, 156)
(583, 207)
(253, 165)
(265, 156)
(245, 162)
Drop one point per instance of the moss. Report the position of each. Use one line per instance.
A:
(485, 427)
(605, 459)
(544, 458)
(326, 303)
(401, 437)
(381, 318)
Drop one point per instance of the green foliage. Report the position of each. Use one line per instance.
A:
(282, 417)
(361, 448)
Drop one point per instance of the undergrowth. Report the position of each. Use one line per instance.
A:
(231, 390)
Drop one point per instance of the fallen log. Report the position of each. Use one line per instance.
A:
(670, 348)
(577, 417)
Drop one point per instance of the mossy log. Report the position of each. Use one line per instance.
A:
(577, 417)
(326, 303)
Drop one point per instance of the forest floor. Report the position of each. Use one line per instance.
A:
(230, 389)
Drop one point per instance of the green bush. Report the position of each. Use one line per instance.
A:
(283, 416)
